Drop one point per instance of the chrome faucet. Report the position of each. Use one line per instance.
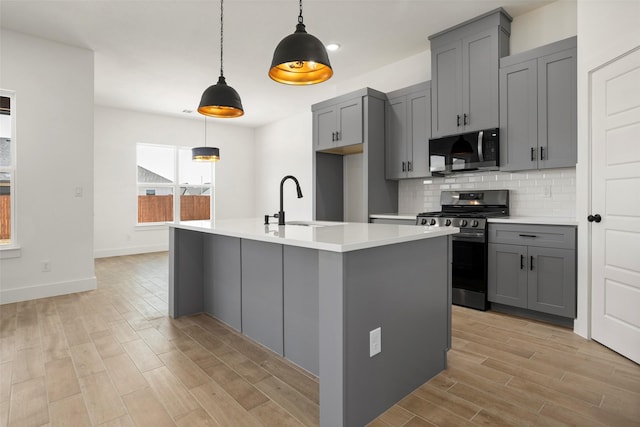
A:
(281, 212)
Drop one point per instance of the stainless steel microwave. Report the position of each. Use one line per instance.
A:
(472, 151)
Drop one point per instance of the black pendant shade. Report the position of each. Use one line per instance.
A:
(221, 100)
(205, 154)
(300, 59)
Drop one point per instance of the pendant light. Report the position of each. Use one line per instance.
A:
(300, 58)
(205, 154)
(221, 100)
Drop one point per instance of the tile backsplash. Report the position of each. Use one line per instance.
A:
(550, 192)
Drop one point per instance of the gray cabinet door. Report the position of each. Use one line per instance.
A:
(325, 126)
(222, 279)
(446, 89)
(557, 105)
(418, 134)
(262, 294)
(552, 281)
(301, 307)
(350, 123)
(519, 116)
(395, 146)
(480, 63)
(507, 274)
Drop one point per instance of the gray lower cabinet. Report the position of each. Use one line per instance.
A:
(538, 108)
(464, 72)
(407, 132)
(301, 331)
(533, 267)
(262, 293)
(223, 279)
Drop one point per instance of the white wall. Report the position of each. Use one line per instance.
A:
(556, 21)
(284, 148)
(606, 30)
(54, 137)
(116, 134)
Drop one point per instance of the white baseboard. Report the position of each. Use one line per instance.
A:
(47, 290)
(106, 253)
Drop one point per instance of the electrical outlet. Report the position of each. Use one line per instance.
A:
(46, 266)
(78, 192)
(375, 342)
(546, 191)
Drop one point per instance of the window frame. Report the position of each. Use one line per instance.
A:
(12, 248)
(176, 186)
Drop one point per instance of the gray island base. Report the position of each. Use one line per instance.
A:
(313, 296)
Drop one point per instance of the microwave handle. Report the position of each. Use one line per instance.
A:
(480, 138)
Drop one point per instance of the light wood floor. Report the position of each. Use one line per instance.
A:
(112, 357)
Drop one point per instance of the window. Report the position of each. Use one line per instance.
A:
(7, 170)
(163, 172)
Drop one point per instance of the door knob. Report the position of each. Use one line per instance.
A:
(594, 218)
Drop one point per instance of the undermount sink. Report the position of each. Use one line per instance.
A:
(313, 223)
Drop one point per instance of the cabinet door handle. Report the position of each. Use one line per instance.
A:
(531, 263)
(404, 169)
(541, 153)
(409, 166)
(337, 135)
(465, 122)
(458, 120)
(533, 154)
(521, 262)
(527, 235)
(333, 136)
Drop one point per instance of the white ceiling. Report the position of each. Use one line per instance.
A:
(158, 56)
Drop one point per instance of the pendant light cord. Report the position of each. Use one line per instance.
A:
(222, 33)
(300, 16)
(205, 131)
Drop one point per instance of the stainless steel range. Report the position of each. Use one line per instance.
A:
(469, 212)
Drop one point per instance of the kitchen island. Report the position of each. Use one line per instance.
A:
(316, 292)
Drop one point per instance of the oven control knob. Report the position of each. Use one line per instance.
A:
(463, 223)
(474, 223)
(432, 222)
(447, 222)
(423, 221)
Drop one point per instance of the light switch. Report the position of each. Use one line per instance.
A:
(375, 342)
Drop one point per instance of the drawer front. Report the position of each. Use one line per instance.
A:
(547, 236)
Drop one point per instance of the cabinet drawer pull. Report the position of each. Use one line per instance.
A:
(533, 154)
(531, 263)
(527, 235)
(458, 120)
(521, 262)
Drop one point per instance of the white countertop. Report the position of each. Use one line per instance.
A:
(328, 236)
(542, 220)
(394, 216)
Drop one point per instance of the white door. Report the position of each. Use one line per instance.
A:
(615, 163)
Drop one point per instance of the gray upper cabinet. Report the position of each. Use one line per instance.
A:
(538, 108)
(464, 70)
(349, 169)
(533, 267)
(338, 125)
(407, 132)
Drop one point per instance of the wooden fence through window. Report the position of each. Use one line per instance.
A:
(160, 208)
(5, 217)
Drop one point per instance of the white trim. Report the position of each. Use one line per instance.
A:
(106, 253)
(10, 252)
(47, 290)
